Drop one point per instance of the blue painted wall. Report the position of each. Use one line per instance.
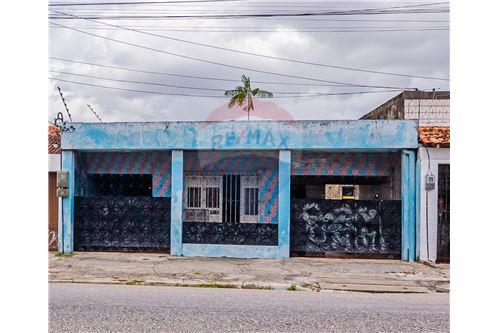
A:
(242, 162)
(347, 136)
(176, 203)
(357, 134)
(156, 163)
(68, 203)
(408, 223)
(284, 204)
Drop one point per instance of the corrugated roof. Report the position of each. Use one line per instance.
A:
(54, 140)
(434, 135)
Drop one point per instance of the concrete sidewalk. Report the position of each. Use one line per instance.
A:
(283, 274)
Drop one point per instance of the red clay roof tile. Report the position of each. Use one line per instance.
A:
(434, 135)
(54, 140)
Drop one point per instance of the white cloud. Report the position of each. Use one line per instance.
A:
(420, 53)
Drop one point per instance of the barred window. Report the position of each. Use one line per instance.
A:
(212, 197)
(251, 201)
(194, 197)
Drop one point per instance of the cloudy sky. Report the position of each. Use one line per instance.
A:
(406, 43)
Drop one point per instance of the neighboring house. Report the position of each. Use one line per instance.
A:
(432, 112)
(258, 189)
(54, 166)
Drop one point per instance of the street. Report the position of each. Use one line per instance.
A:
(132, 308)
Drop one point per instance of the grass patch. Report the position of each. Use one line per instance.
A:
(315, 287)
(254, 286)
(134, 283)
(215, 285)
(292, 288)
(60, 254)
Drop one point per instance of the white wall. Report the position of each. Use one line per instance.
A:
(54, 162)
(437, 156)
(433, 112)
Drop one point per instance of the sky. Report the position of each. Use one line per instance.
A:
(354, 41)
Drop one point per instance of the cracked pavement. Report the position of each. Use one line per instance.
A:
(390, 276)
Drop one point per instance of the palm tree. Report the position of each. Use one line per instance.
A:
(244, 94)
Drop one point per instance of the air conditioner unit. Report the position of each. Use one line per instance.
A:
(195, 215)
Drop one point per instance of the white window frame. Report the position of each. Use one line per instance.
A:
(204, 213)
(249, 181)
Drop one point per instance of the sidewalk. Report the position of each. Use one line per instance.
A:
(283, 274)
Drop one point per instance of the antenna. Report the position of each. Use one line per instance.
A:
(64, 102)
(95, 114)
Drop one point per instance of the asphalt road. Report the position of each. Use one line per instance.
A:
(119, 308)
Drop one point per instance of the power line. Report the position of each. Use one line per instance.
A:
(133, 3)
(257, 54)
(345, 30)
(227, 65)
(198, 77)
(219, 96)
(159, 84)
(64, 102)
(245, 16)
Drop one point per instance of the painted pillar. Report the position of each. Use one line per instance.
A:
(68, 204)
(176, 202)
(418, 186)
(408, 229)
(284, 204)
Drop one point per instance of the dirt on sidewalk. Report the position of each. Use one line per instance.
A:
(284, 274)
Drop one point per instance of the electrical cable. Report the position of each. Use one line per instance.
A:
(227, 65)
(162, 84)
(255, 54)
(216, 96)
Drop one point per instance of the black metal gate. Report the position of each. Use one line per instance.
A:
(443, 244)
(346, 228)
(122, 223)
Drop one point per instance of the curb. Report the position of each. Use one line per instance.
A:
(333, 287)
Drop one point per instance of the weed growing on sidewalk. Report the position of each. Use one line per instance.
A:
(293, 287)
(60, 254)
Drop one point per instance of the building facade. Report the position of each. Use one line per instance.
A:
(260, 189)
(54, 166)
(431, 110)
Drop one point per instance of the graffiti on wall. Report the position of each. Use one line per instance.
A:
(122, 223)
(52, 240)
(319, 227)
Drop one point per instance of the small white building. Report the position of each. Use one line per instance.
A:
(432, 111)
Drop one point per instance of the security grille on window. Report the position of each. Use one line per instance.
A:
(202, 198)
(212, 195)
(251, 201)
(194, 197)
(250, 204)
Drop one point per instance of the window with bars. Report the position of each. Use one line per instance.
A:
(194, 197)
(251, 201)
(212, 197)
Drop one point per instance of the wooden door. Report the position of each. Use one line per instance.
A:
(53, 212)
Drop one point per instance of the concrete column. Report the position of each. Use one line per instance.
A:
(176, 202)
(68, 204)
(284, 204)
(408, 229)
(418, 187)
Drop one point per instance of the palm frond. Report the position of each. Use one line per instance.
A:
(231, 93)
(244, 93)
(261, 93)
